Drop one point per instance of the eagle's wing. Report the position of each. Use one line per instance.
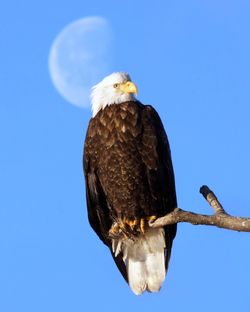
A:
(160, 172)
(98, 211)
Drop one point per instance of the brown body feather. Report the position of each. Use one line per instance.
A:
(128, 170)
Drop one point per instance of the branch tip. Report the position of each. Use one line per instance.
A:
(205, 190)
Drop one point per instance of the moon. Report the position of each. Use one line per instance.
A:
(80, 56)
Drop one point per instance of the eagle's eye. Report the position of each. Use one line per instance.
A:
(115, 85)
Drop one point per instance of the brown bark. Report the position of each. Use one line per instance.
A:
(220, 218)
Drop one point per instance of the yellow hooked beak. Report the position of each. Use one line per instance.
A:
(128, 87)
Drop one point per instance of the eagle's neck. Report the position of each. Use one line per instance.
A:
(103, 97)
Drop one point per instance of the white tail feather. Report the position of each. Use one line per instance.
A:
(145, 260)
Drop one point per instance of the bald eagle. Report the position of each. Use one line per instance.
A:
(129, 182)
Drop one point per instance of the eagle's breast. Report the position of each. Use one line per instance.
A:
(118, 142)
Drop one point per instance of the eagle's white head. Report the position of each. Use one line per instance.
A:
(113, 89)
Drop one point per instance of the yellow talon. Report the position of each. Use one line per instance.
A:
(114, 229)
(151, 218)
(142, 225)
(133, 224)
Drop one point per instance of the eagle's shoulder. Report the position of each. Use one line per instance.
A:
(151, 113)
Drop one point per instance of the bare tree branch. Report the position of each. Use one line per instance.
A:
(220, 218)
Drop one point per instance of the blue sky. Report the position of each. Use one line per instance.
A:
(191, 61)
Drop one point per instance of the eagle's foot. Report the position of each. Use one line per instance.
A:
(123, 228)
(130, 228)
